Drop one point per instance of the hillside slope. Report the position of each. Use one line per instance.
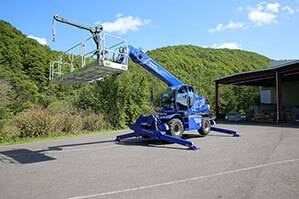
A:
(24, 75)
(24, 71)
(200, 66)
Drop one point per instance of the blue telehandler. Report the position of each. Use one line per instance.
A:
(182, 109)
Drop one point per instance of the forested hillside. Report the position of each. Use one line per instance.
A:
(23, 70)
(117, 100)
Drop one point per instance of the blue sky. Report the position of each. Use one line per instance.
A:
(270, 28)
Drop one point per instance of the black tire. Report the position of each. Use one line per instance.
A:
(205, 127)
(176, 127)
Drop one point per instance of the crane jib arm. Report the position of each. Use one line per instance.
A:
(139, 57)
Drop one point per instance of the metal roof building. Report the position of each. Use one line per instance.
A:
(278, 74)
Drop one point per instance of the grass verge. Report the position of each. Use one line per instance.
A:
(55, 136)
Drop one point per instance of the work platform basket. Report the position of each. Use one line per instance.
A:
(90, 60)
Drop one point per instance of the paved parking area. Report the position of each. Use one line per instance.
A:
(262, 163)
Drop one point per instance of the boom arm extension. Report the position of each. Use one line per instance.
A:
(141, 58)
(93, 30)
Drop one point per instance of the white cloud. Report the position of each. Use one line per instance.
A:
(119, 15)
(273, 7)
(240, 9)
(260, 6)
(289, 9)
(42, 41)
(229, 45)
(231, 25)
(263, 13)
(268, 13)
(124, 24)
(260, 17)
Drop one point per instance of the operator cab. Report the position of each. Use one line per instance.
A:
(177, 99)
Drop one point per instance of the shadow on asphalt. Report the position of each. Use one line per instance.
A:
(23, 156)
(61, 147)
(27, 156)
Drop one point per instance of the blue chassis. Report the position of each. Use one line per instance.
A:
(155, 127)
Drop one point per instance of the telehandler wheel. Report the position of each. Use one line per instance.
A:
(176, 127)
(205, 127)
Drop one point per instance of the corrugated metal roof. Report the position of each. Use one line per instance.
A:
(280, 63)
(274, 64)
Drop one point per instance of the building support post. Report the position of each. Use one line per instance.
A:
(279, 114)
(217, 99)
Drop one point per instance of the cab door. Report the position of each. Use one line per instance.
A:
(182, 99)
(190, 96)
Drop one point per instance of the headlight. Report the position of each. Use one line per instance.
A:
(166, 127)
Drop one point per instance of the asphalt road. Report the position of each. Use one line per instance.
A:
(262, 163)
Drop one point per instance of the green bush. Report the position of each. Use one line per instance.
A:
(3, 135)
(71, 122)
(93, 121)
(58, 122)
(34, 122)
(63, 114)
(39, 121)
(61, 106)
(8, 130)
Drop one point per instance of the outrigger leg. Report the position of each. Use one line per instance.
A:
(226, 131)
(125, 136)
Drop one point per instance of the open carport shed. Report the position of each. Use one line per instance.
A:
(278, 74)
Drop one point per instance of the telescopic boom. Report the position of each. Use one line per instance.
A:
(93, 30)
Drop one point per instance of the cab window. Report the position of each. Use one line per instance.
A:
(182, 101)
(191, 96)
